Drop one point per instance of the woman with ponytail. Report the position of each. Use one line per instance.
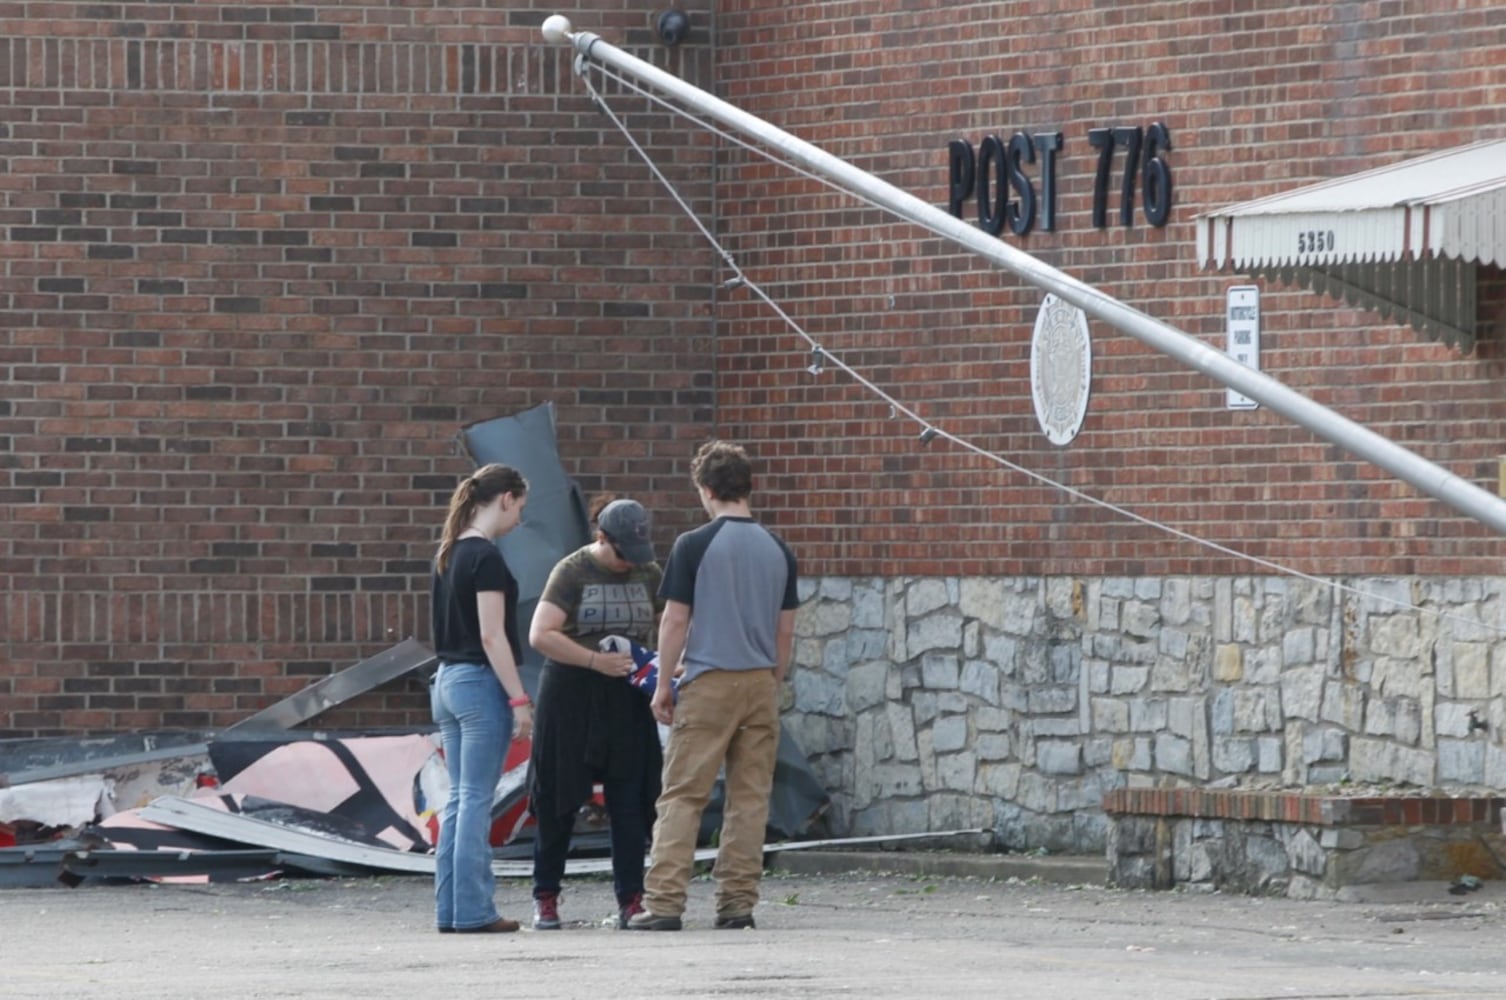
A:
(477, 695)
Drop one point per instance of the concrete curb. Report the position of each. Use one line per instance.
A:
(1057, 870)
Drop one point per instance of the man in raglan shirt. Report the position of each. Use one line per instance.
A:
(729, 625)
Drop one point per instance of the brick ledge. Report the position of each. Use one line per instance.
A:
(1301, 807)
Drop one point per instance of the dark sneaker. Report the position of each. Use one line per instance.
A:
(546, 911)
(740, 922)
(647, 921)
(629, 910)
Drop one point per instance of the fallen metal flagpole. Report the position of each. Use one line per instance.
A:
(1426, 476)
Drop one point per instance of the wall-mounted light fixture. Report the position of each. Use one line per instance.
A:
(672, 26)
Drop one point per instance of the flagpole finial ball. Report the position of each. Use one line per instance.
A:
(557, 28)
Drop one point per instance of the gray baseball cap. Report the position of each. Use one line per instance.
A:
(626, 523)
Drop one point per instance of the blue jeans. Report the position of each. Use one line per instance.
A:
(475, 726)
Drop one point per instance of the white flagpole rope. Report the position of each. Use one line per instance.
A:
(929, 430)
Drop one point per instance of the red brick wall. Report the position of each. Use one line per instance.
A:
(261, 262)
(1257, 101)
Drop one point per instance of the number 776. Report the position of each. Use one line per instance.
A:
(1156, 172)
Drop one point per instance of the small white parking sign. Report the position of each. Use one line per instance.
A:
(1242, 315)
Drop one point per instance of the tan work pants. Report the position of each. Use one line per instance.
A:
(722, 715)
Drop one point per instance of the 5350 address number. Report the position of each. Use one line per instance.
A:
(1316, 241)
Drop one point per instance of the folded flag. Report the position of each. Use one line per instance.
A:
(645, 676)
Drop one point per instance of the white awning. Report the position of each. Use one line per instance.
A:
(1404, 240)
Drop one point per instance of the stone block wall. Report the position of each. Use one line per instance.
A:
(1017, 703)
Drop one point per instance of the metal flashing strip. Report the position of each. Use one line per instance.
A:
(881, 838)
(195, 817)
(323, 694)
(177, 864)
(26, 754)
(29, 870)
(32, 854)
(99, 765)
(336, 689)
(186, 814)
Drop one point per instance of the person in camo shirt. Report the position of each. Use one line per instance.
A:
(592, 724)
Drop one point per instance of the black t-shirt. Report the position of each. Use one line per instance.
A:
(475, 566)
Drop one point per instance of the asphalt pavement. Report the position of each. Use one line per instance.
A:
(818, 935)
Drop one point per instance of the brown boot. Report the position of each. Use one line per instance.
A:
(499, 926)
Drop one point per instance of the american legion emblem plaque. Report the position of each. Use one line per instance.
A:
(1061, 369)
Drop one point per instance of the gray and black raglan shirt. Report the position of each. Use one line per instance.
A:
(737, 576)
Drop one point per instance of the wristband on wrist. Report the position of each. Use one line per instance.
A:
(591, 663)
(521, 701)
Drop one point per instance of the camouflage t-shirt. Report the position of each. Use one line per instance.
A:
(599, 603)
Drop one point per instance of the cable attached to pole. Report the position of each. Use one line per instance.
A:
(929, 432)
